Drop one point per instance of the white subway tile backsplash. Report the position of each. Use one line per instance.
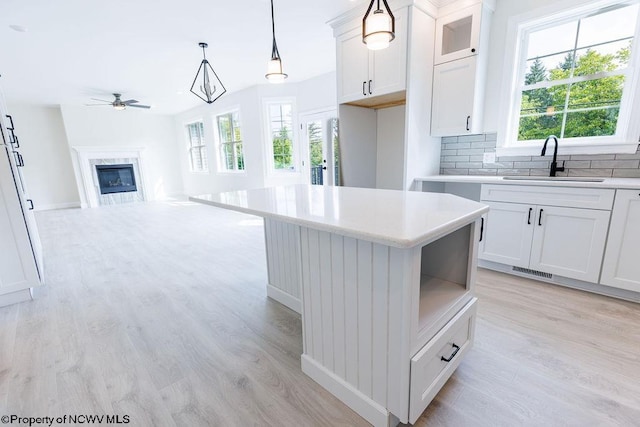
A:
(471, 138)
(616, 164)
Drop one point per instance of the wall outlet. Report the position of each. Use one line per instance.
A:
(489, 158)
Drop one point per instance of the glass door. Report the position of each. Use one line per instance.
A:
(319, 131)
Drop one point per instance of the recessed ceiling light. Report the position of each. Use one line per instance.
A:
(19, 28)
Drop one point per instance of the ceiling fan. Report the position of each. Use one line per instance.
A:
(118, 103)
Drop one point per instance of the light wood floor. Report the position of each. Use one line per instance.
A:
(158, 311)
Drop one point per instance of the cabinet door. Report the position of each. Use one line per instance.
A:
(458, 34)
(352, 67)
(569, 242)
(621, 267)
(389, 73)
(453, 97)
(508, 231)
(17, 263)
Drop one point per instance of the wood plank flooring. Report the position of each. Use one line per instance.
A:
(159, 311)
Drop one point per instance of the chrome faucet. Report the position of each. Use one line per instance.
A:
(554, 163)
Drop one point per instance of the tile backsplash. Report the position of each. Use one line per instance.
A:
(463, 155)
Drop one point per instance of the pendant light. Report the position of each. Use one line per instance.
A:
(274, 68)
(207, 85)
(379, 27)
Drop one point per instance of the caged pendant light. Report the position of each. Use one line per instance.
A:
(207, 85)
(274, 68)
(379, 27)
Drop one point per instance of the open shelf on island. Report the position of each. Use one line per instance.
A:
(445, 282)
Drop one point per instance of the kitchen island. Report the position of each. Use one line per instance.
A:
(384, 283)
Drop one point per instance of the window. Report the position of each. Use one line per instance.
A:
(230, 138)
(281, 135)
(574, 78)
(197, 148)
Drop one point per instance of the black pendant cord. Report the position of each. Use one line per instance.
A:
(275, 55)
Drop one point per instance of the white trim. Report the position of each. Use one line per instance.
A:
(353, 398)
(284, 298)
(628, 131)
(56, 206)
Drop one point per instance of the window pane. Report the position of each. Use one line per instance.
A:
(544, 100)
(553, 67)
(539, 127)
(224, 128)
(591, 123)
(606, 57)
(596, 93)
(552, 40)
(239, 156)
(613, 25)
(281, 135)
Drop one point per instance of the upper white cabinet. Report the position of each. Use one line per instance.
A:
(460, 71)
(363, 74)
(561, 231)
(458, 34)
(621, 268)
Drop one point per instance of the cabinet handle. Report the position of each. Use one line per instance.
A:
(540, 217)
(481, 228)
(363, 85)
(19, 159)
(370, 93)
(15, 140)
(11, 120)
(455, 351)
(529, 217)
(31, 204)
(468, 118)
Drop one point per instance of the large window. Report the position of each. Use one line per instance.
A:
(281, 134)
(197, 147)
(575, 78)
(231, 151)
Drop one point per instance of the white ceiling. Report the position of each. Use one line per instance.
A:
(74, 50)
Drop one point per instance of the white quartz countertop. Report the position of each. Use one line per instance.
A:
(401, 219)
(586, 182)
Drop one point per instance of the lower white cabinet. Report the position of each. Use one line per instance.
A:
(621, 267)
(560, 240)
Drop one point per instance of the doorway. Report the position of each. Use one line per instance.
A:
(319, 132)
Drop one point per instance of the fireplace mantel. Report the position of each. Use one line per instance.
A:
(85, 159)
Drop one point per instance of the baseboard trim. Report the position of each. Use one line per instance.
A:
(371, 411)
(566, 281)
(15, 297)
(55, 206)
(284, 298)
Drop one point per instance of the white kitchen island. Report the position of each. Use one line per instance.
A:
(384, 282)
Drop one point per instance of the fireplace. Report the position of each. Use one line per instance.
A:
(116, 178)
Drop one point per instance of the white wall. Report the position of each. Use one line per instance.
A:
(390, 148)
(505, 9)
(48, 171)
(106, 127)
(313, 94)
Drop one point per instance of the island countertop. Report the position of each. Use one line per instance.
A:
(400, 219)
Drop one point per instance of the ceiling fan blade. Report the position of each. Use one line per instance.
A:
(130, 101)
(97, 105)
(101, 100)
(138, 106)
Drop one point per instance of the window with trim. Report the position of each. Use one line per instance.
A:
(230, 139)
(281, 135)
(575, 78)
(197, 147)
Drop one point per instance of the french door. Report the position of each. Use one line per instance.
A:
(319, 131)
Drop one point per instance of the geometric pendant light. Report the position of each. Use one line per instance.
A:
(274, 67)
(207, 85)
(379, 27)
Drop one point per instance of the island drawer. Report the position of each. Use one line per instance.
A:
(432, 366)
(572, 197)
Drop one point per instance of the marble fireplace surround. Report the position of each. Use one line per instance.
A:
(86, 158)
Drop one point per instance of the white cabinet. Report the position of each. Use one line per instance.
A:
(365, 74)
(457, 109)
(621, 268)
(562, 240)
(458, 34)
(460, 71)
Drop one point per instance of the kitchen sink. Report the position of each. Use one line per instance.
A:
(553, 178)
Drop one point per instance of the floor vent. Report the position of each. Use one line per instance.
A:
(533, 272)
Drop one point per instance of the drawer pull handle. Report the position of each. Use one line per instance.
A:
(455, 351)
(540, 218)
(529, 218)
